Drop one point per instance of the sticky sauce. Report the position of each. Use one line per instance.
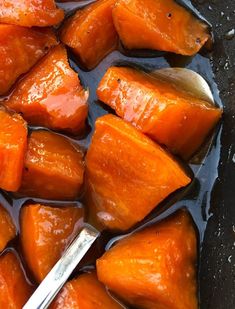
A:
(198, 196)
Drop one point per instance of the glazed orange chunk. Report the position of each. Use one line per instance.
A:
(127, 174)
(15, 290)
(20, 49)
(51, 94)
(53, 168)
(13, 142)
(45, 234)
(90, 33)
(84, 292)
(161, 110)
(159, 25)
(7, 228)
(30, 13)
(156, 267)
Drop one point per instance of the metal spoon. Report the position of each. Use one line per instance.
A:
(187, 80)
(56, 278)
(71, 6)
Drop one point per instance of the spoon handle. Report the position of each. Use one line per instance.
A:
(56, 278)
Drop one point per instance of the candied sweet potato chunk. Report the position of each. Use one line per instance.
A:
(51, 95)
(45, 233)
(167, 114)
(159, 25)
(13, 142)
(15, 290)
(7, 228)
(20, 49)
(127, 174)
(84, 292)
(156, 267)
(90, 33)
(30, 13)
(54, 167)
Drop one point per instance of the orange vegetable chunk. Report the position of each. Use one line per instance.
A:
(127, 174)
(7, 228)
(45, 233)
(13, 142)
(15, 290)
(163, 111)
(90, 33)
(159, 25)
(53, 169)
(154, 268)
(84, 292)
(28, 44)
(51, 95)
(28, 13)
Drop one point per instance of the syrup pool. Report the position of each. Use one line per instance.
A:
(197, 197)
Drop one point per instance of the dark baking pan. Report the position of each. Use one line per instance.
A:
(217, 266)
(210, 199)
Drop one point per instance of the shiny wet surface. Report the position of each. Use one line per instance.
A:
(204, 198)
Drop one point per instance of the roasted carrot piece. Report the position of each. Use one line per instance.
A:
(127, 174)
(156, 267)
(28, 44)
(53, 168)
(13, 142)
(7, 228)
(15, 290)
(85, 292)
(45, 233)
(28, 13)
(51, 95)
(90, 33)
(159, 25)
(159, 109)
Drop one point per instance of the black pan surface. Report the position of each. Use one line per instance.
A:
(214, 209)
(217, 271)
(211, 199)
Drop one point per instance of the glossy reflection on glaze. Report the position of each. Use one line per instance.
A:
(54, 167)
(45, 233)
(155, 267)
(29, 44)
(127, 174)
(40, 13)
(197, 198)
(163, 111)
(162, 25)
(90, 33)
(51, 95)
